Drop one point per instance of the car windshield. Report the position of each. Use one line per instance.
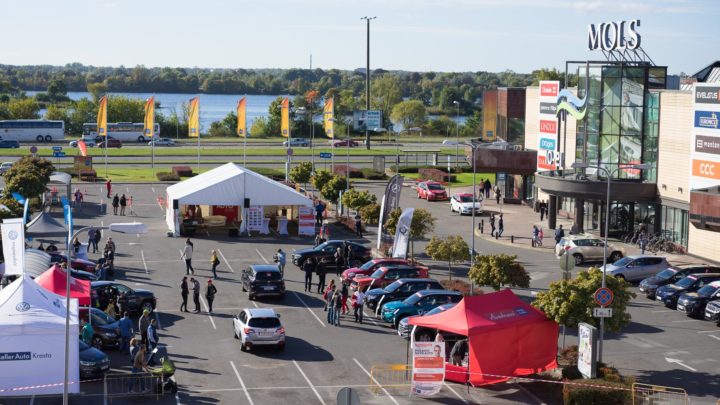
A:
(707, 291)
(264, 323)
(322, 246)
(686, 282)
(267, 276)
(101, 318)
(623, 262)
(368, 265)
(439, 309)
(666, 274)
(434, 187)
(394, 286)
(377, 274)
(465, 198)
(413, 299)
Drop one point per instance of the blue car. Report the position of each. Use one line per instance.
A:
(423, 334)
(417, 304)
(398, 291)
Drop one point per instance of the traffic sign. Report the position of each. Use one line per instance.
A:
(33, 149)
(325, 155)
(566, 262)
(57, 148)
(289, 152)
(58, 154)
(602, 312)
(603, 296)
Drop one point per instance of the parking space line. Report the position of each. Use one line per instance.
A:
(375, 381)
(707, 331)
(247, 394)
(369, 318)
(308, 308)
(317, 394)
(226, 261)
(262, 257)
(204, 304)
(455, 392)
(684, 321)
(142, 254)
(663, 310)
(715, 337)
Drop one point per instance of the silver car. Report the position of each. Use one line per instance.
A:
(259, 327)
(297, 142)
(636, 267)
(587, 248)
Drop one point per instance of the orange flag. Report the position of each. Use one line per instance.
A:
(82, 147)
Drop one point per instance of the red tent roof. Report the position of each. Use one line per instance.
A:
(55, 280)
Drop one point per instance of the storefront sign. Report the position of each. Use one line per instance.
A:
(705, 148)
(706, 169)
(548, 127)
(706, 119)
(707, 144)
(306, 221)
(614, 36)
(707, 94)
(428, 371)
(548, 108)
(547, 155)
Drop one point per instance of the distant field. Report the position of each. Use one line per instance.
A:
(145, 175)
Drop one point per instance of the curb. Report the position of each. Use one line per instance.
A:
(506, 242)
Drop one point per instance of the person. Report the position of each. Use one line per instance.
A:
(184, 291)
(358, 225)
(541, 236)
(187, 253)
(318, 239)
(437, 350)
(76, 246)
(196, 293)
(134, 348)
(344, 292)
(328, 292)
(321, 270)
(87, 333)
(331, 305)
(210, 292)
(559, 234)
(492, 224)
(348, 253)
(152, 335)
(143, 324)
(108, 186)
(123, 204)
(439, 337)
(308, 267)
(51, 248)
(458, 352)
(139, 364)
(497, 194)
(358, 306)
(487, 186)
(96, 240)
(126, 331)
(78, 198)
(319, 209)
(535, 234)
(111, 311)
(91, 240)
(642, 240)
(214, 261)
(339, 260)
(110, 244)
(41, 247)
(280, 258)
(337, 303)
(115, 204)
(542, 209)
(501, 226)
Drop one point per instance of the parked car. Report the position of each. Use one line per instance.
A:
(671, 275)
(417, 304)
(344, 142)
(398, 291)
(5, 166)
(132, 300)
(360, 253)
(9, 144)
(712, 309)
(369, 267)
(421, 334)
(431, 190)
(693, 304)
(636, 267)
(83, 275)
(110, 142)
(297, 142)
(93, 362)
(386, 275)
(89, 142)
(263, 280)
(79, 264)
(669, 294)
(587, 248)
(463, 204)
(105, 327)
(259, 327)
(162, 142)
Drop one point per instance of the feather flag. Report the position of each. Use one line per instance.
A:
(285, 118)
(194, 118)
(102, 117)
(241, 130)
(329, 117)
(83, 147)
(150, 117)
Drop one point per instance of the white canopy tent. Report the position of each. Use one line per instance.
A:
(229, 184)
(32, 340)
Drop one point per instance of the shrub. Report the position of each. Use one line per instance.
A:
(371, 174)
(167, 176)
(615, 393)
(182, 171)
(571, 373)
(460, 286)
(436, 175)
(569, 355)
(370, 214)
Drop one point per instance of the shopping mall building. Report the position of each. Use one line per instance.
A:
(656, 137)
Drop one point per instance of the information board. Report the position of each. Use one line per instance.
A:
(255, 218)
(306, 221)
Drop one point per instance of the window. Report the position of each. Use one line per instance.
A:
(243, 317)
(264, 323)
(121, 289)
(392, 275)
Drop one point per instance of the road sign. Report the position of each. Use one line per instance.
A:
(567, 262)
(602, 312)
(33, 149)
(58, 154)
(325, 155)
(57, 148)
(289, 152)
(603, 296)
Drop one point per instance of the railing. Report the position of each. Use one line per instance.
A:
(133, 384)
(386, 376)
(645, 394)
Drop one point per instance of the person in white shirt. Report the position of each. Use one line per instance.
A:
(358, 305)
(187, 255)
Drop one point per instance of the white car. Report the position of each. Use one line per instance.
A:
(259, 327)
(89, 142)
(5, 166)
(162, 142)
(463, 204)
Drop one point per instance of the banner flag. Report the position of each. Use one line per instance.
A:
(329, 117)
(13, 240)
(285, 118)
(402, 233)
(391, 199)
(428, 372)
(194, 118)
(102, 117)
(241, 116)
(150, 117)
(380, 223)
(83, 147)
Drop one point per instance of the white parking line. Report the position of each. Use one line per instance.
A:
(664, 310)
(202, 301)
(375, 381)
(688, 320)
(226, 261)
(707, 331)
(455, 392)
(262, 257)
(142, 254)
(715, 337)
(308, 308)
(317, 394)
(247, 394)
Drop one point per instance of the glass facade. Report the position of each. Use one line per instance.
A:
(674, 224)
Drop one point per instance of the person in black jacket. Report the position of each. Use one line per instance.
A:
(308, 267)
(210, 292)
(321, 272)
(115, 204)
(123, 204)
(184, 291)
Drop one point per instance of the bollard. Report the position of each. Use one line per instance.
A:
(532, 242)
(482, 226)
(512, 238)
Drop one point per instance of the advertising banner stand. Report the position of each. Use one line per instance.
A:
(587, 350)
(428, 371)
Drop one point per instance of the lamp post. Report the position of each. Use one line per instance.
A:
(457, 135)
(367, 81)
(608, 174)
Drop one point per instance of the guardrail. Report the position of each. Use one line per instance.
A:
(385, 376)
(646, 394)
(133, 385)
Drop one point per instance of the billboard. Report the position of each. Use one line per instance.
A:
(547, 155)
(371, 119)
(490, 99)
(705, 146)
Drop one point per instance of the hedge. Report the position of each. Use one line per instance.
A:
(167, 176)
(615, 394)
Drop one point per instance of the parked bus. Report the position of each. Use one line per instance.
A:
(32, 130)
(124, 131)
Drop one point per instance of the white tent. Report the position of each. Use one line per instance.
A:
(229, 184)
(32, 340)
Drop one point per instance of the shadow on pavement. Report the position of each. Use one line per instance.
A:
(295, 349)
(697, 384)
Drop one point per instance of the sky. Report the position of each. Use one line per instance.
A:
(412, 35)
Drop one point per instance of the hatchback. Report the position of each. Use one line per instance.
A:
(263, 280)
(297, 142)
(111, 143)
(5, 166)
(418, 304)
(431, 190)
(93, 362)
(636, 267)
(463, 204)
(106, 329)
(587, 248)
(8, 144)
(259, 327)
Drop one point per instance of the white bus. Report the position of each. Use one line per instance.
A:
(123, 131)
(32, 130)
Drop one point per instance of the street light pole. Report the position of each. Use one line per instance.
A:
(457, 136)
(367, 81)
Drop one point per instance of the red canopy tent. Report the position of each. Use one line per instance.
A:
(55, 280)
(506, 337)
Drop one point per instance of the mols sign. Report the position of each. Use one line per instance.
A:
(614, 36)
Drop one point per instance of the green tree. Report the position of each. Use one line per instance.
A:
(370, 214)
(331, 190)
(23, 108)
(10, 208)
(124, 109)
(410, 113)
(570, 302)
(57, 90)
(56, 113)
(97, 90)
(355, 199)
(321, 178)
(83, 111)
(421, 224)
(259, 127)
(497, 271)
(452, 249)
(385, 94)
(29, 176)
(301, 173)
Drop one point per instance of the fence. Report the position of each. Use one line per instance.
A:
(390, 376)
(134, 384)
(646, 394)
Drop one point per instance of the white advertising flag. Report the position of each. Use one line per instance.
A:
(402, 233)
(428, 371)
(13, 239)
(380, 224)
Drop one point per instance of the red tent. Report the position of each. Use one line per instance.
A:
(54, 280)
(506, 337)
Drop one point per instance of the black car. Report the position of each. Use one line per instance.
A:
(712, 310)
(669, 294)
(693, 304)
(326, 253)
(8, 144)
(399, 290)
(672, 274)
(106, 329)
(93, 362)
(131, 300)
(83, 275)
(263, 280)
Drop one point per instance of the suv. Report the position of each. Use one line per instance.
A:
(587, 247)
(105, 327)
(89, 140)
(418, 304)
(370, 266)
(398, 291)
(297, 142)
(693, 304)
(386, 275)
(712, 309)
(669, 294)
(258, 327)
(261, 280)
(101, 292)
(326, 253)
(671, 275)
(422, 334)
(463, 204)
(636, 267)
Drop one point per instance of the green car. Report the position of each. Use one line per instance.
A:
(418, 304)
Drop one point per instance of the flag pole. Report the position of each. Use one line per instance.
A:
(198, 136)
(244, 150)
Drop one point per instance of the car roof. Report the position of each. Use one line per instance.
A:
(431, 182)
(389, 259)
(715, 284)
(401, 267)
(644, 256)
(101, 283)
(582, 236)
(437, 292)
(463, 194)
(261, 312)
(692, 266)
(265, 267)
(704, 275)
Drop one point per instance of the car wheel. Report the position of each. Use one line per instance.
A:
(39, 138)
(147, 306)
(578, 258)
(419, 195)
(97, 342)
(141, 139)
(615, 256)
(251, 297)
(243, 348)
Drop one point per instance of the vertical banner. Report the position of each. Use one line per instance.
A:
(102, 117)
(705, 147)
(380, 223)
(391, 199)
(402, 233)
(149, 122)
(329, 117)
(428, 371)
(306, 221)
(194, 118)
(285, 118)
(82, 147)
(242, 118)
(587, 350)
(547, 155)
(13, 240)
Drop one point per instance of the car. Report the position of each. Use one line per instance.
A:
(83, 275)
(422, 334)
(326, 250)
(105, 327)
(297, 142)
(5, 166)
(431, 190)
(344, 142)
(463, 204)
(263, 280)
(672, 274)
(111, 143)
(386, 275)
(258, 327)
(89, 142)
(693, 304)
(712, 309)
(587, 248)
(9, 144)
(669, 294)
(418, 304)
(398, 291)
(369, 267)
(636, 267)
(132, 300)
(78, 264)
(93, 362)
(162, 142)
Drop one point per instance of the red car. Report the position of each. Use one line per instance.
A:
(77, 264)
(111, 143)
(370, 266)
(431, 190)
(386, 275)
(345, 142)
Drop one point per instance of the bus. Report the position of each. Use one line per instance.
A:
(123, 131)
(32, 130)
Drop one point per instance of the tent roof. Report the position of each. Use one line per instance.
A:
(60, 177)
(36, 262)
(27, 308)
(482, 313)
(55, 280)
(230, 184)
(45, 225)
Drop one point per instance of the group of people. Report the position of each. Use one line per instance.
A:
(336, 302)
(497, 231)
(486, 187)
(119, 202)
(210, 293)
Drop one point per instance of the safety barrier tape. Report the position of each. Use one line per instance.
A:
(32, 387)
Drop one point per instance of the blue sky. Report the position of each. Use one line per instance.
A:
(418, 35)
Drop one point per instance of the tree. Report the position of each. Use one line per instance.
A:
(83, 111)
(23, 108)
(301, 173)
(497, 271)
(321, 178)
(10, 208)
(355, 199)
(422, 223)
(28, 177)
(123, 109)
(385, 94)
(452, 249)
(370, 214)
(97, 90)
(331, 190)
(259, 127)
(410, 113)
(57, 90)
(56, 113)
(570, 302)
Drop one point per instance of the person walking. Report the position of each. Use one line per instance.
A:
(642, 240)
(91, 240)
(123, 204)
(559, 234)
(108, 187)
(87, 333)
(126, 331)
(280, 259)
(152, 335)
(497, 194)
(321, 271)
(308, 267)
(339, 260)
(338, 305)
(543, 209)
(214, 261)
(115, 204)
(184, 292)
(139, 364)
(344, 295)
(541, 236)
(210, 292)
(96, 240)
(492, 224)
(319, 210)
(486, 187)
(535, 234)
(358, 305)
(134, 349)
(331, 305)
(358, 225)
(196, 293)
(501, 226)
(143, 324)
(328, 291)
(187, 253)
(459, 351)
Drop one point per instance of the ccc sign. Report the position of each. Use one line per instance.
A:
(705, 168)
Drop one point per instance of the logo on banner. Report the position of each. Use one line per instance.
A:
(706, 119)
(547, 144)
(707, 95)
(707, 144)
(548, 127)
(549, 89)
(12, 235)
(22, 307)
(403, 229)
(15, 356)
